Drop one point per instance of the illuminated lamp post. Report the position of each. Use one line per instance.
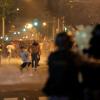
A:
(28, 26)
(44, 24)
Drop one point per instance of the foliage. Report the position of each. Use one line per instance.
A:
(6, 7)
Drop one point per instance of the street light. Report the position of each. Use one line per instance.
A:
(45, 27)
(44, 24)
(17, 9)
(24, 30)
(14, 33)
(35, 23)
(28, 26)
(18, 32)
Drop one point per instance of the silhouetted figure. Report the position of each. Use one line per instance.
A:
(39, 53)
(24, 57)
(91, 67)
(94, 49)
(35, 54)
(62, 83)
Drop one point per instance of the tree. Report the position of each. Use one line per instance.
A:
(6, 8)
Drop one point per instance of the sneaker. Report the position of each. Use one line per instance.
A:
(35, 69)
(21, 69)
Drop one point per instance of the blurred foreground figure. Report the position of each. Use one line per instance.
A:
(91, 67)
(62, 83)
(94, 49)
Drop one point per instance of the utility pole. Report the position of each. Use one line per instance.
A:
(3, 26)
(3, 21)
(63, 23)
(53, 28)
(58, 25)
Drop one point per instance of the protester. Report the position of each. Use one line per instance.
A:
(25, 58)
(38, 53)
(62, 83)
(90, 69)
(35, 54)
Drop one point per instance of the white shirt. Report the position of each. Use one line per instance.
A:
(24, 56)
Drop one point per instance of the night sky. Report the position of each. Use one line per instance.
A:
(31, 8)
(75, 11)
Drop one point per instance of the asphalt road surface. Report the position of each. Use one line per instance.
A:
(10, 74)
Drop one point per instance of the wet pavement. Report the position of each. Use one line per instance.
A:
(10, 74)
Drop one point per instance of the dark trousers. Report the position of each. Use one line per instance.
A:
(38, 59)
(24, 64)
(34, 60)
(91, 94)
